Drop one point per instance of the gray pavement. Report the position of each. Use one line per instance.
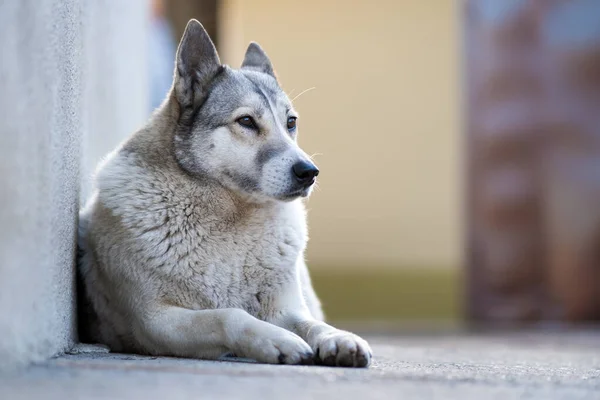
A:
(451, 366)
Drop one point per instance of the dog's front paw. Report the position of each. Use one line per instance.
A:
(278, 346)
(343, 349)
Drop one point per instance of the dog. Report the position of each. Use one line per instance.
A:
(192, 242)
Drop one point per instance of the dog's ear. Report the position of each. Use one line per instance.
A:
(196, 64)
(257, 59)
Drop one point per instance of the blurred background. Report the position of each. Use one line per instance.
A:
(475, 125)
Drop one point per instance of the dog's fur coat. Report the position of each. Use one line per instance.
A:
(193, 242)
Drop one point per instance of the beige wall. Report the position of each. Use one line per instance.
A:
(384, 118)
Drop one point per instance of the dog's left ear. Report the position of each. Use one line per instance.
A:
(256, 59)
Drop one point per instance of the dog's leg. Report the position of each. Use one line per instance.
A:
(209, 334)
(312, 301)
(332, 346)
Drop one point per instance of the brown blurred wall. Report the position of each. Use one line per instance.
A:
(534, 155)
(383, 119)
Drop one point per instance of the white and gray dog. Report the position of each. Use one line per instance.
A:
(192, 244)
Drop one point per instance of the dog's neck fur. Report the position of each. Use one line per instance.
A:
(154, 142)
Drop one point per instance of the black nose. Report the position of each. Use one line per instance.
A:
(305, 172)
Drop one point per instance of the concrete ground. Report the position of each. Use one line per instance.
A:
(450, 366)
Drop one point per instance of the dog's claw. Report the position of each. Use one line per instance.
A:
(307, 359)
(281, 358)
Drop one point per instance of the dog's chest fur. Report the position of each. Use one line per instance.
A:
(241, 263)
(197, 246)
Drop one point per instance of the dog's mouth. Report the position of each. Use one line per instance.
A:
(294, 194)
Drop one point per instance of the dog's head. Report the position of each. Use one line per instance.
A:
(237, 126)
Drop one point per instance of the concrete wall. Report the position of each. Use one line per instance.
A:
(72, 84)
(384, 118)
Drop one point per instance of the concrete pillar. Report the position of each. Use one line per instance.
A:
(71, 73)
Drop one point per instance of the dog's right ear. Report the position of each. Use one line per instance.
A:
(196, 64)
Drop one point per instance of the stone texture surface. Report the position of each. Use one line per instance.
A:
(57, 90)
(517, 366)
(40, 130)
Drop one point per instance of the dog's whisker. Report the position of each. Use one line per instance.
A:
(312, 156)
(302, 92)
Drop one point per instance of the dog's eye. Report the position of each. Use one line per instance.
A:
(291, 123)
(247, 122)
